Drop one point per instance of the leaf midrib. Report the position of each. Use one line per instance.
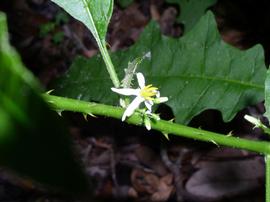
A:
(217, 79)
(95, 32)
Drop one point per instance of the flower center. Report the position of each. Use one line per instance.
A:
(148, 92)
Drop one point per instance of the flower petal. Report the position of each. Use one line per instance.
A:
(132, 107)
(256, 122)
(149, 104)
(158, 94)
(122, 103)
(126, 91)
(141, 80)
(161, 100)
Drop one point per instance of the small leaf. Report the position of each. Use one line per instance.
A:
(191, 11)
(196, 72)
(95, 14)
(33, 141)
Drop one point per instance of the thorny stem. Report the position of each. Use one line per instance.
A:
(67, 104)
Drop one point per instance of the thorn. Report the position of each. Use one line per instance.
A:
(166, 135)
(172, 120)
(49, 92)
(59, 112)
(108, 45)
(230, 134)
(215, 143)
(92, 115)
(85, 117)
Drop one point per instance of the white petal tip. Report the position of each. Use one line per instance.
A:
(164, 99)
(251, 119)
(161, 100)
(141, 79)
(256, 122)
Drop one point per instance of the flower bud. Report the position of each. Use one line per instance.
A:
(147, 123)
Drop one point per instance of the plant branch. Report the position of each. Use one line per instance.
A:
(67, 104)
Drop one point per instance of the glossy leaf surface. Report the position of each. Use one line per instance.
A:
(198, 71)
(95, 14)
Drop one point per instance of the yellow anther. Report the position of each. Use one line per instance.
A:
(148, 92)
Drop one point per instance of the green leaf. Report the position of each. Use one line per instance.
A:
(124, 3)
(191, 11)
(33, 141)
(95, 14)
(198, 71)
(267, 95)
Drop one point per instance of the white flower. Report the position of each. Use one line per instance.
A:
(147, 94)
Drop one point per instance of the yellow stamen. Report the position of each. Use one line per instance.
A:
(148, 92)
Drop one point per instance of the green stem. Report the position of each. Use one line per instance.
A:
(267, 178)
(266, 130)
(109, 65)
(103, 49)
(62, 104)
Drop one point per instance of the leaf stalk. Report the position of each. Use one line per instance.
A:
(103, 50)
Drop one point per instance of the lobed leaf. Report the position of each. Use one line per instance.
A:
(197, 72)
(191, 11)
